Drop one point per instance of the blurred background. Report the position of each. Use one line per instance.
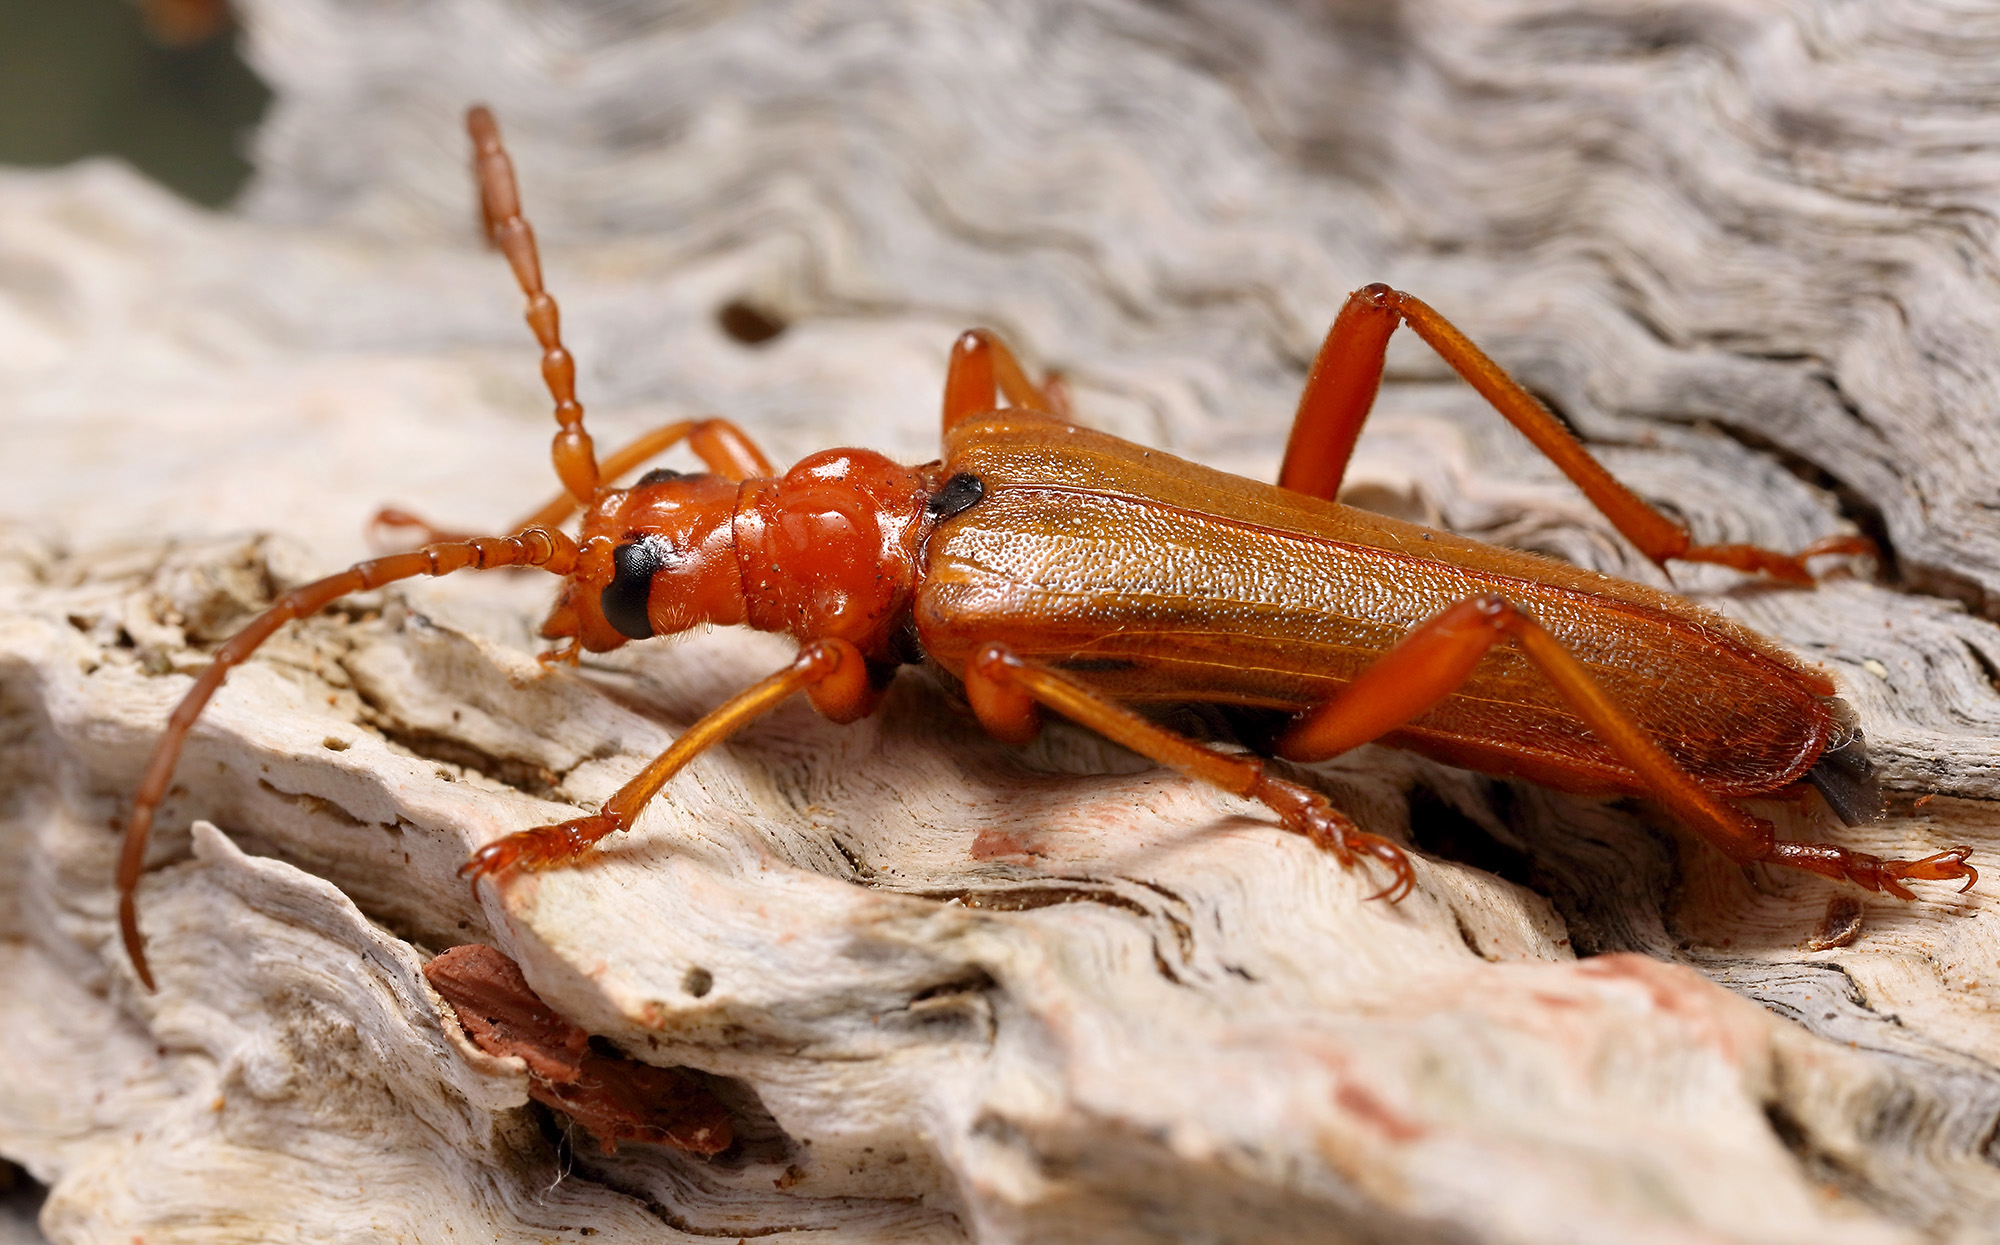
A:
(158, 84)
(161, 86)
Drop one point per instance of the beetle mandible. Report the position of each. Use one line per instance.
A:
(1050, 567)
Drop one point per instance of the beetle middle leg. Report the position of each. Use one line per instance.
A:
(1342, 385)
(983, 369)
(1005, 690)
(1436, 658)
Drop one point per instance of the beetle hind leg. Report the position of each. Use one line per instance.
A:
(1437, 657)
(1340, 389)
(1874, 873)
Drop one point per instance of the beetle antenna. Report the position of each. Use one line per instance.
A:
(500, 206)
(541, 547)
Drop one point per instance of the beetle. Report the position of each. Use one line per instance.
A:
(1047, 566)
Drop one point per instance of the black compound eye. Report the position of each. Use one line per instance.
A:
(624, 598)
(958, 493)
(659, 475)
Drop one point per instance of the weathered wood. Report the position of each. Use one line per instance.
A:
(957, 991)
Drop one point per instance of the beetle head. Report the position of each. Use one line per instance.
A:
(655, 559)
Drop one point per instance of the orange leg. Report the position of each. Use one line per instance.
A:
(500, 206)
(549, 550)
(1341, 388)
(832, 672)
(1006, 689)
(1436, 658)
(722, 447)
(424, 531)
(982, 367)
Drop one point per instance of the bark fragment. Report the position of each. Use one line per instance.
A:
(616, 1098)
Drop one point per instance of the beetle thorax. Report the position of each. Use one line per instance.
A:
(830, 549)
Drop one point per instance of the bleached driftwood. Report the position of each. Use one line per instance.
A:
(953, 990)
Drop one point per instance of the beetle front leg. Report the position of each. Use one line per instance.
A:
(832, 671)
(1006, 690)
(722, 447)
(1437, 657)
(1340, 389)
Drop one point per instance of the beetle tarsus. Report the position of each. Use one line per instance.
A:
(1874, 873)
(1945, 866)
(568, 655)
(541, 847)
(1331, 830)
(824, 662)
(1403, 875)
(1786, 568)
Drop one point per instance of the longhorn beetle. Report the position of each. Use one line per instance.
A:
(1050, 567)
